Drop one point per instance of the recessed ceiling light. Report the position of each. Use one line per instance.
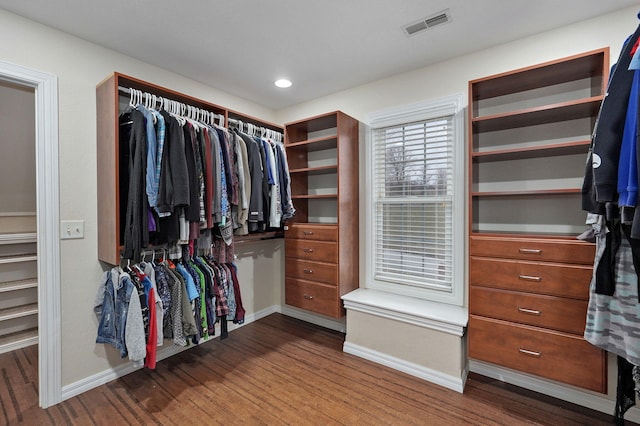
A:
(283, 83)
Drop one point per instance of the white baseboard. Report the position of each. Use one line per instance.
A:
(565, 393)
(106, 376)
(428, 374)
(306, 316)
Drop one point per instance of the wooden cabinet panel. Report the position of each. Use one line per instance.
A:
(312, 232)
(551, 250)
(326, 273)
(557, 313)
(558, 356)
(536, 277)
(315, 297)
(318, 251)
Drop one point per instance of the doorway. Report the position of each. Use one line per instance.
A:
(18, 226)
(43, 88)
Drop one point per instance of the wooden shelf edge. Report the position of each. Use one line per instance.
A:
(313, 141)
(330, 168)
(542, 108)
(525, 193)
(541, 149)
(269, 235)
(314, 197)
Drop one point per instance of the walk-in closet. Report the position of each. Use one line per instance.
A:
(321, 213)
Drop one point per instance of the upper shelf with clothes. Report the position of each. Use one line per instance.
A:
(177, 170)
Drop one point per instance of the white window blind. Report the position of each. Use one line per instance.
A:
(414, 188)
(415, 193)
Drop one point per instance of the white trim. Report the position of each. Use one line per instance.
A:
(331, 324)
(424, 110)
(48, 205)
(103, 377)
(428, 374)
(423, 313)
(10, 347)
(27, 237)
(563, 392)
(15, 214)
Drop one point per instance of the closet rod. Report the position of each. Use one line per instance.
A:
(127, 91)
(270, 133)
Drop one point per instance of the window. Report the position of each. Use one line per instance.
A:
(416, 198)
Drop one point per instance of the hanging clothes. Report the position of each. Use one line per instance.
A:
(609, 194)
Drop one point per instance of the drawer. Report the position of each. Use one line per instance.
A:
(304, 231)
(568, 315)
(550, 354)
(535, 277)
(318, 251)
(548, 250)
(314, 271)
(320, 298)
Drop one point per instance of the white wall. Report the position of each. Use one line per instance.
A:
(18, 145)
(452, 76)
(80, 66)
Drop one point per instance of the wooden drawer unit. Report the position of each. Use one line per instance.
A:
(558, 356)
(544, 250)
(529, 275)
(313, 296)
(318, 251)
(555, 279)
(326, 273)
(568, 315)
(312, 232)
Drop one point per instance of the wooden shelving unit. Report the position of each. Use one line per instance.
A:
(529, 276)
(321, 242)
(108, 103)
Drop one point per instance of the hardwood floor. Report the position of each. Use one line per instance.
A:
(278, 370)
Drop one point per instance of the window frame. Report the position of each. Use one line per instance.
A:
(407, 114)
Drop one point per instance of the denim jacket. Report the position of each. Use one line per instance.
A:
(114, 309)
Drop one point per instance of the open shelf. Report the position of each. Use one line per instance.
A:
(317, 144)
(568, 148)
(563, 111)
(315, 170)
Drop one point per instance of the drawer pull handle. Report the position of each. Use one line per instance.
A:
(308, 250)
(308, 271)
(530, 278)
(530, 251)
(531, 353)
(308, 297)
(307, 232)
(529, 311)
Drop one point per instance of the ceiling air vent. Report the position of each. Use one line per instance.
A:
(428, 22)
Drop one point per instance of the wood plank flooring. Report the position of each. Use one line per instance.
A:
(278, 371)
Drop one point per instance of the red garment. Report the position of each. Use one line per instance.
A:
(152, 340)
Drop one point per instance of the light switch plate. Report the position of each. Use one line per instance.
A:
(70, 229)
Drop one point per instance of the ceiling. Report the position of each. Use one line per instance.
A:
(243, 46)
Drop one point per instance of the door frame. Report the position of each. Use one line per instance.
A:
(45, 86)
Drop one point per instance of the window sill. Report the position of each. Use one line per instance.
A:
(423, 313)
